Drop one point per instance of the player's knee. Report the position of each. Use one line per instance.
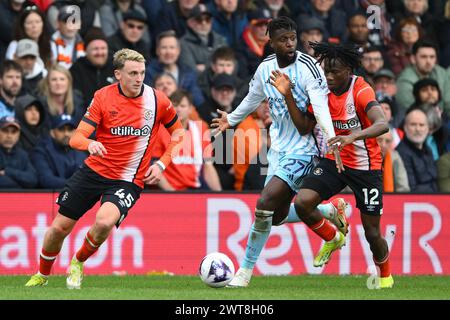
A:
(372, 234)
(103, 225)
(264, 203)
(303, 206)
(59, 231)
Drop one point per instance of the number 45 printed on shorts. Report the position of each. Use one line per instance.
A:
(125, 201)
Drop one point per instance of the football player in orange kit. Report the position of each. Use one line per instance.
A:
(126, 116)
(357, 119)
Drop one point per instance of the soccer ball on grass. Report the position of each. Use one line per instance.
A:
(216, 270)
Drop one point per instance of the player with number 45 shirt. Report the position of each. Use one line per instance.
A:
(126, 116)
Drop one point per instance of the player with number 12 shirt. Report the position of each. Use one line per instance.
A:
(357, 119)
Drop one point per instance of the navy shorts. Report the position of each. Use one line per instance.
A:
(367, 185)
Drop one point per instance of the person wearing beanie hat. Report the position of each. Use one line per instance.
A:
(95, 70)
(94, 33)
(427, 91)
(311, 31)
(389, 109)
(427, 96)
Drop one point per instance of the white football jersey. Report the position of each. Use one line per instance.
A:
(309, 86)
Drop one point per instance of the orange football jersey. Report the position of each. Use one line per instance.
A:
(127, 127)
(349, 114)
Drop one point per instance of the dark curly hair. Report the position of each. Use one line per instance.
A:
(348, 55)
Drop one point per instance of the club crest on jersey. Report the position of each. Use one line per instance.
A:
(130, 131)
(148, 114)
(113, 114)
(350, 108)
(293, 82)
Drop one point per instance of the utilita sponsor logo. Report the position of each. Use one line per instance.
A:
(130, 131)
(346, 124)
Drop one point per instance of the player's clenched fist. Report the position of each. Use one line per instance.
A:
(153, 174)
(96, 148)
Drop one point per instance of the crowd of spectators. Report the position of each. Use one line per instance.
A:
(202, 54)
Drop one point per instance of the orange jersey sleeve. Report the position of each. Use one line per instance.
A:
(80, 140)
(364, 97)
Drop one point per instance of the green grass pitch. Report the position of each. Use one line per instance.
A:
(304, 287)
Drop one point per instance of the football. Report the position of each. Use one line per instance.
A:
(216, 270)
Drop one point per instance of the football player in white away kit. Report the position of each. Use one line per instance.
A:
(293, 150)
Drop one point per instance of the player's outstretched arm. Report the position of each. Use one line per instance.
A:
(282, 83)
(379, 126)
(249, 104)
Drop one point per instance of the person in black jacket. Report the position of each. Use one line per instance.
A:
(32, 117)
(223, 93)
(9, 11)
(416, 156)
(16, 170)
(130, 35)
(200, 40)
(53, 158)
(173, 16)
(334, 19)
(95, 70)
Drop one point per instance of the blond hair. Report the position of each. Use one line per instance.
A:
(44, 89)
(123, 55)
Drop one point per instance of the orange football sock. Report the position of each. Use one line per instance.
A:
(88, 248)
(385, 268)
(46, 260)
(324, 229)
